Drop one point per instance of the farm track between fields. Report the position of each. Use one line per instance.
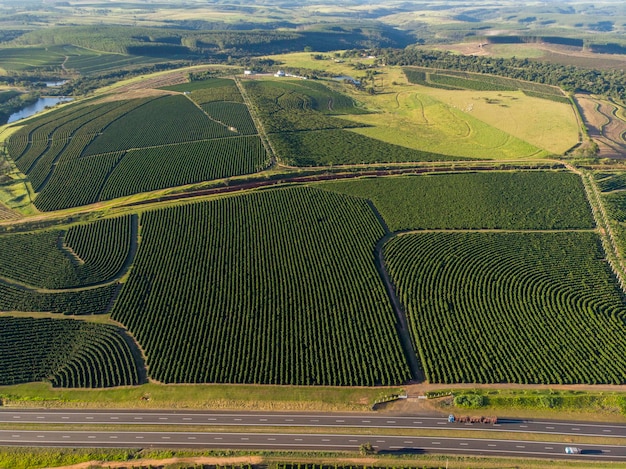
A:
(603, 225)
(267, 144)
(132, 251)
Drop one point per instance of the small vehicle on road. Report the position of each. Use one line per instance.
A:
(573, 450)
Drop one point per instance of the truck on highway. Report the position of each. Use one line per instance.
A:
(465, 419)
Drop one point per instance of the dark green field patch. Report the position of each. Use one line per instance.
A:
(332, 147)
(505, 200)
(65, 352)
(275, 287)
(166, 120)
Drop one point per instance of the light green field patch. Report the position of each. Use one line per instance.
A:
(421, 122)
(546, 124)
(520, 51)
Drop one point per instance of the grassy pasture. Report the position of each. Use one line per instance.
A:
(416, 119)
(548, 125)
(20, 59)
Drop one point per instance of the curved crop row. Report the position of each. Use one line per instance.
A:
(87, 254)
(511, 307)
(68, 353)
(93, 301)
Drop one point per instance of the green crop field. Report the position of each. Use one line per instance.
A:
(88, 301)
(169, 166)
(65, 352)
(337, 146)
(287, 106)
(166, 120)
(487, 200)
(511, 307)
(82, 255)
(296, 264)
(98, 150)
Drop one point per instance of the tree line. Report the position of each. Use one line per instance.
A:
(572, 79)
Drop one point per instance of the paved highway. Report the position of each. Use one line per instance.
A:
(329, 442)
(282, 419)
(301, 440)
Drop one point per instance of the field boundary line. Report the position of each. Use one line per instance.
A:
(602, 220)
(257, 123)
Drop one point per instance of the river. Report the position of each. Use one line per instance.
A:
(38, 106)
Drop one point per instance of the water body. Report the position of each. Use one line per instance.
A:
(38, 106)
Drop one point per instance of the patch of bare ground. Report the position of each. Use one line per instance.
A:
(6, 214)
(134, 94)
(170, 79)
(156, 463)
(603, 126)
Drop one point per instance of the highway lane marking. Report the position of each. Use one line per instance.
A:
(138, 418)
(523, 426)
(298, 439)
(237, 420)
(576, 429)
(418, 423)
(520, 446)
(113, 437)
(88, 418)
(391, 421)
(191, 438)
(186, 418)
(366, 421)
(218, 438)
(162, 418)
(607, 431)
(549, 447)
(262, 420)
(271, 439)
(114, 418)
(464, 444)
(166, 437)
(340, 421)
(142, 438)
(435, 442)
(408, 442)
(550, 428)
(493, 446)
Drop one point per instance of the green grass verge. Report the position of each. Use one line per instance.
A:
(31, 458)
(208, 396)
(534, 403)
